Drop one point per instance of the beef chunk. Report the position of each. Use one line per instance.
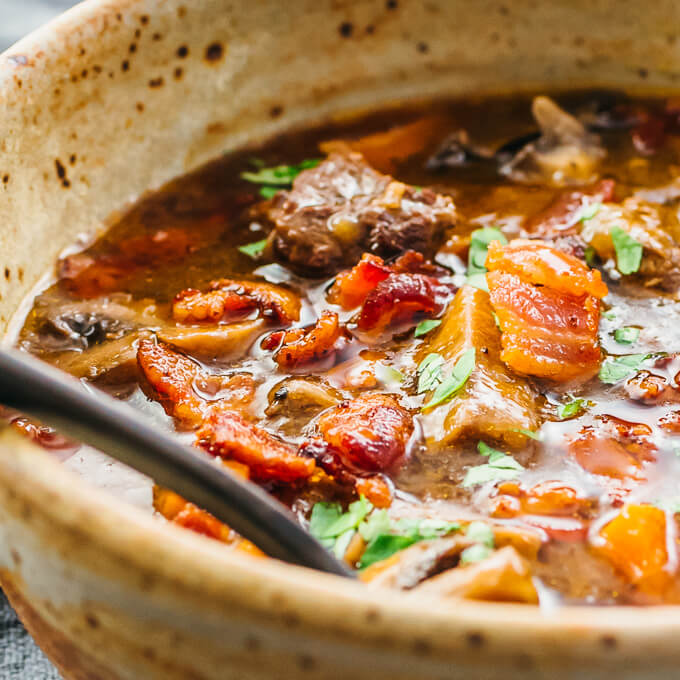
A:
(343, 206)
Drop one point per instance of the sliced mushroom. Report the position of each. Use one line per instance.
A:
(224, 341)
(115, 361)
(565, 153)
(295, 395)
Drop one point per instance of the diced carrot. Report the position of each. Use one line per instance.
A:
(635, 544)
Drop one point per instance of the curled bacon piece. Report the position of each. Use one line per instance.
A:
(352, 286)
(175, 379)
(613, 447)
(540, 264)
(547, 303)
(300, 346)
(225, 297)
(227, 435)
(367, 434)
(562, 216)
(399, 297)
(651, 389)
(90, 276)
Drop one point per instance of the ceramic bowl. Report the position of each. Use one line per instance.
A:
(116, 97)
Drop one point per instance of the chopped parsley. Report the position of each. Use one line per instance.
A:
(618, 368)
(589, 211)
(388, 375)
(429, 372)
(628, 251)
(610, 314)
(482, 535)
(589, 255)
(479, 245)
(626, 335)
(528, 433)
(425, 327)
(254, 249)
(278, 177)
(454, 382)
(572, 408)
(383, 536)
(500, 466)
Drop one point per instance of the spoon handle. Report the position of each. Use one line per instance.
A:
(90, 416)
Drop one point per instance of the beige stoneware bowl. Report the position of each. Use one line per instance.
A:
(118, 96)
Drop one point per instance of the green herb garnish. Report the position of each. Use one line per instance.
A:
(425, 327)
(429, 372)
(628, 251)
(500, 466)
(449, 386)
(479, 245)
(480, 532)
(278, 177)
(528, 433)
(388, 375)
(610, 314)
(626, 335)
(571, 408)
(254, 249)
(475, 553)
(614, 369)
(589, 256)
(384, 538)
(589, 211)
(335, 528)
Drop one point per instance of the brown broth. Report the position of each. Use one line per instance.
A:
(213, 206)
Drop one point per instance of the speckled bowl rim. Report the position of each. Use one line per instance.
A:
(222, 577)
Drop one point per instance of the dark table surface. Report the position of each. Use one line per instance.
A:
(20, 658)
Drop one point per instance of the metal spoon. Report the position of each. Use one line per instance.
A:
(90, 416)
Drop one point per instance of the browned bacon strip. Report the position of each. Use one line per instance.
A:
(547, 303)
(226, 297)
(227, 435)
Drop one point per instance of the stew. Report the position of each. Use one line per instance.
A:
(447, 336)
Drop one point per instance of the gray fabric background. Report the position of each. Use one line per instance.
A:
(20, 658)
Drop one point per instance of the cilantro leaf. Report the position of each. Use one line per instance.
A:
(253, 249)
(277, 177)
(388, 375)
(448, 387)
(268, 192)
(475, 553)
(478, 281)
(589, 255)
(618, 368)
(479, 244)
(351, 519)
(571, 408)
(626, 335)
(628, 251)
(480, 532)
(385, 538)
(429, 372)
(500, 466)
(528, 433)
(323, 516)
(384, 546)
(425, 327)
(589, 211)
(378, 522)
